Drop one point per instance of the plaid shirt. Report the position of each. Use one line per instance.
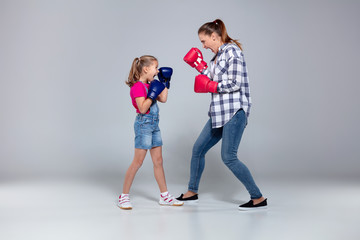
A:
(233, 85)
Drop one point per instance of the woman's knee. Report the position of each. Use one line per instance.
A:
(198, 150)
(229, 158)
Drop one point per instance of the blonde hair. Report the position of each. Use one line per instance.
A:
(136, 68)
(218, 27)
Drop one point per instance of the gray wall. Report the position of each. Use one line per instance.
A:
(65, 110)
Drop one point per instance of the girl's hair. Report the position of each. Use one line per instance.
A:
(136, 68)
(218, 27)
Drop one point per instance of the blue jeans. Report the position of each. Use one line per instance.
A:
(230, 134)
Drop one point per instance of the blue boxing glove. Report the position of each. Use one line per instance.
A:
(164, 76)
(155, 89)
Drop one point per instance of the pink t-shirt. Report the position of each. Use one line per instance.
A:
(138, 90)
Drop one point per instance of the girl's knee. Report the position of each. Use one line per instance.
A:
(137, 163)
(158, 162)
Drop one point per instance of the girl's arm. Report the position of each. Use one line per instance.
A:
(163, 96)
(143, 104)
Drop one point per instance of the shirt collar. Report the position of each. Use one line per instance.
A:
(221, 49)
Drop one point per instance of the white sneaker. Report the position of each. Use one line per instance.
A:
(169, 200)
(124, 202)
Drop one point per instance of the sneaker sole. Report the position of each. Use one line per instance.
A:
(252, 209)
(171, 205)
(125, 208)
(190, 202)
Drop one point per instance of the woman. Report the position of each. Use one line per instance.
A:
(227, 80)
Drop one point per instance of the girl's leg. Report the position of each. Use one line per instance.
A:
(206, 140)
(232, 133)
(156, 156)
(165, 197)
(134, 167)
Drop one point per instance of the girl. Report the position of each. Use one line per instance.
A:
(145, 92)
(226, 79)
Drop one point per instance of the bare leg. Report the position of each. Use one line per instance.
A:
(134, 167)
(156, 156)
(189, 194)
(259, 200)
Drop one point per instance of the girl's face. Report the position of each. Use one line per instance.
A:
(212, 42)
(151, 71)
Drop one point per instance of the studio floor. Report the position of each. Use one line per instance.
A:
(86, 209)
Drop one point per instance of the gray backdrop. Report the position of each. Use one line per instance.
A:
(66, 111)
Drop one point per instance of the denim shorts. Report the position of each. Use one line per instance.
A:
(147, 131)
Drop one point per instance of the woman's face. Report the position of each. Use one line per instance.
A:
(212, 42)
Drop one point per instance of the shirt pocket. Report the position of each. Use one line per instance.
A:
(220, 70)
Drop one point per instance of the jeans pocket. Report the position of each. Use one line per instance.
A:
(146, 126)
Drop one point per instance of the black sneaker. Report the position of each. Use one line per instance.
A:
(250, 205)
(192, 199)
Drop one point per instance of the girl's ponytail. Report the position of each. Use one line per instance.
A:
(136, 68)
(134, 74)
(218, 27)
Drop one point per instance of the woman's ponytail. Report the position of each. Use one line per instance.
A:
(218, 27)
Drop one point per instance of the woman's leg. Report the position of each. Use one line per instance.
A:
(134, 167)
(206, 140)
(232, 133)
(156, 156)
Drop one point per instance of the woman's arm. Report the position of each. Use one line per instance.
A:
(163, 96)
(207, 73)
(143, 104)
(232, 76)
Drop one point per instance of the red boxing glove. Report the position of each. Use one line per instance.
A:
(204, 85)
(195, 59)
